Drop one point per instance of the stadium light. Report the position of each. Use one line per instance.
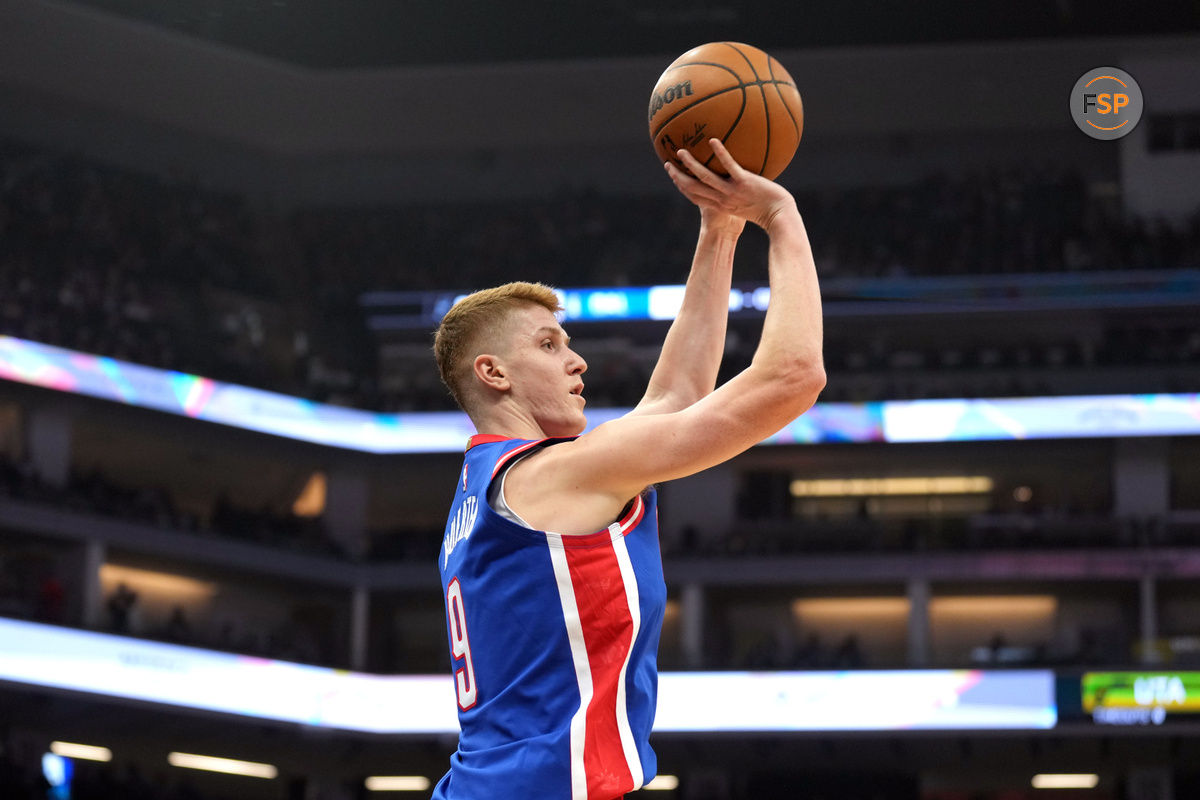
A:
(1065, 781)
(86, 752)
(229, 766)
(397, 783)
(874, 487)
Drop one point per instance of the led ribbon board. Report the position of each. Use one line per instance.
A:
(446, 432)
(191, 677)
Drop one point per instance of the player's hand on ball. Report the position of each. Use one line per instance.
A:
(743, 194)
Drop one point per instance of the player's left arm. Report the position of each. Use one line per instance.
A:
(691, 354)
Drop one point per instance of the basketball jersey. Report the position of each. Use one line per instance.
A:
(553, 640)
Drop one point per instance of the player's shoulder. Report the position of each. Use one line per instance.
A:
(567, 487)
(499, 453)
(564, 461)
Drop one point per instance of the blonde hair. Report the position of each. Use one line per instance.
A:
(474, 318)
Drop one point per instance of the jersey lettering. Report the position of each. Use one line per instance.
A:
(460, 527)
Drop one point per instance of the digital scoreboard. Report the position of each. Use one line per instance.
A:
(1139, 698)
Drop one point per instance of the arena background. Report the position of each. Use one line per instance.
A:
(278, 195)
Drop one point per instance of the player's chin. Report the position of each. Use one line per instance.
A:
(578, 424)
(567, 425)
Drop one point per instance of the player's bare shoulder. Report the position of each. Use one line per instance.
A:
(562, 487)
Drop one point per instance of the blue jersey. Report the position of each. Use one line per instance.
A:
(554, 641)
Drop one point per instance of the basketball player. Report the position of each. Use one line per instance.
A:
(550, 563)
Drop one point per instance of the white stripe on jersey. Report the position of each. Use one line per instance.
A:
(516, 451)
(631, 596)
(583, 671)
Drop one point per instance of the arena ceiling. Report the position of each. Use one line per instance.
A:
(326, 34)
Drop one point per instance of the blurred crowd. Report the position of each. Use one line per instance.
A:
(1055, 529)
(164, 272)
(95, 493)
(809, 651)
(34, 586)
(872, 367)
(36, 582)
(1069, 524)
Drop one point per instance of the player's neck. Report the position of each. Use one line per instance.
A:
(509, 421)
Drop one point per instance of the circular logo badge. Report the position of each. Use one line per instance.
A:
(1106, 103)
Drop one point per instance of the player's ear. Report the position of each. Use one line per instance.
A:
(490, 371)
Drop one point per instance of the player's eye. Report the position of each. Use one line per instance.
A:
(549, 343)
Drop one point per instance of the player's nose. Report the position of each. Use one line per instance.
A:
(576, 365)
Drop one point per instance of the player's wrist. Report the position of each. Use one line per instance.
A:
(721, 224)
(782, 217)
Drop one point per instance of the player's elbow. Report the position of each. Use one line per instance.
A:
(815, 380)
(805, 381)
(795, 383)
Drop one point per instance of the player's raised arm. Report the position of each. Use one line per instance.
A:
(691, 354)
(600, 471)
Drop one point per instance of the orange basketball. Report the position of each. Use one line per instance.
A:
(733, 92)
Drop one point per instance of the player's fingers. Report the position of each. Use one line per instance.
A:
(702, 173)
(686, 177)
(691, 188)
(680, 176)
(731, 166)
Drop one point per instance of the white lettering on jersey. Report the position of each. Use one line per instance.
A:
(460, 528)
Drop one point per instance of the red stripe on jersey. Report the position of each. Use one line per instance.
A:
(600, 538)
(608, 635)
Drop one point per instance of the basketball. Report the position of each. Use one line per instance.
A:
(733, 92)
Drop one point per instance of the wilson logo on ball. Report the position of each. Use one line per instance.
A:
(669, 95)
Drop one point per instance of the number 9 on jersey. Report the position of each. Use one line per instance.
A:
(460, 646)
